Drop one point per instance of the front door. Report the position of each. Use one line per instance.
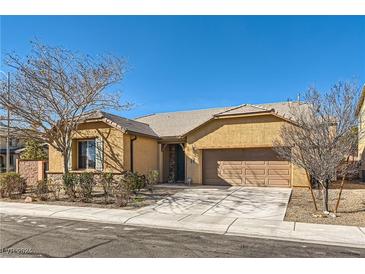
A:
(180, 164)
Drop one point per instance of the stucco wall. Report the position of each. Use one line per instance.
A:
(250, 132)
(116, 150)
(145, 152)
(113, 147)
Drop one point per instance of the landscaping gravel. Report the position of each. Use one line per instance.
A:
(144, 198)
(350, 212)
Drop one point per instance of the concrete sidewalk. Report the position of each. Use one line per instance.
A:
(260, 228)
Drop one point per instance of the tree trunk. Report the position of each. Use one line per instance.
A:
(65, 162)
(325, 196)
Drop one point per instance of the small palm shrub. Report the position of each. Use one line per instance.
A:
(85, 186)
(12, 185)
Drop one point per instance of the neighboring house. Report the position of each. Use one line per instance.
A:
(360, 112)
(14, 144)
(218, 146)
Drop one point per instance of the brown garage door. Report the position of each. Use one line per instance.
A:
(251, 167)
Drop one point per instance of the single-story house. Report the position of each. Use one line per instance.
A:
(217, 146)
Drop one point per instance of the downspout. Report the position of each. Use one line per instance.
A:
(131, 151)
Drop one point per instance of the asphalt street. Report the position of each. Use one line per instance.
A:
(22, 236)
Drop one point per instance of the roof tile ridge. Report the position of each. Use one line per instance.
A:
(230, 109)
(261, 107)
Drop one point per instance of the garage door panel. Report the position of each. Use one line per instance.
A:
(279, 182)
(254, 181)
(260, 167)
(255, 163)
(279, 172)
(279, 163)
(233, 181)
(230, 163)
(254, 171)
(230, 174)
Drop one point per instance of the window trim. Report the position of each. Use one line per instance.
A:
(77, 154)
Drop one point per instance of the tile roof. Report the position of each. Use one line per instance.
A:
(178, 123)
(128, 125)
(171, 124)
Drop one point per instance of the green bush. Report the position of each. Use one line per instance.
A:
(41, 190)
(12, 185)
(86, 184)
(70, 182)
(136, 181)
(106, 182)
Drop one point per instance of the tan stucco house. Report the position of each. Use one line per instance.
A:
(218, 146)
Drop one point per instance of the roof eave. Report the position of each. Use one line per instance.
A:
(131, 132)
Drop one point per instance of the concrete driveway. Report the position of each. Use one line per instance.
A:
(243, 202)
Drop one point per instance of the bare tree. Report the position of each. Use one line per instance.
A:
(322, 134)
(53, 88)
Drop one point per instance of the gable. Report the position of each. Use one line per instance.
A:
(250, 131)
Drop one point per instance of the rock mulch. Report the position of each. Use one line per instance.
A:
(144, 198)
(350, 212)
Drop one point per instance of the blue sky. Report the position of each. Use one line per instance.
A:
(192, 62)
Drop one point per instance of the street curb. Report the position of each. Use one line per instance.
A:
(202, 230)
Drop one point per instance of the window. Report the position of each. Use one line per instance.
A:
(86, 154)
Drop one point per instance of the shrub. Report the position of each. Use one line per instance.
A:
(106, 182)
(86, 184)
(136, 181)
(54, 189)
(70, 181)
(123, 188)
(152, 179)
(41, 190)
(12, 185)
